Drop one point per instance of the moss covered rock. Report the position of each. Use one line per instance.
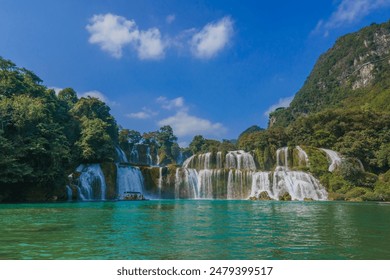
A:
(264, 196)
(285, 197)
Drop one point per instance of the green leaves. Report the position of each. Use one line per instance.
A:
(95, 143)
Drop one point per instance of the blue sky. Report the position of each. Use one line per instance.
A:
(204, 67)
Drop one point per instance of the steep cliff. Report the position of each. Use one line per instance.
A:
(354, 73)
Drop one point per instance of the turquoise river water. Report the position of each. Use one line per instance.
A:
(195, 229)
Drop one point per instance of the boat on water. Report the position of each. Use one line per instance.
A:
(133, 196)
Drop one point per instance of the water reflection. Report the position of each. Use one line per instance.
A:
(198, 229)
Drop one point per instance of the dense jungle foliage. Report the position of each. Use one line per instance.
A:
(44, 135)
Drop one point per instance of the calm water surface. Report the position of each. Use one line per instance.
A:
(195, 229)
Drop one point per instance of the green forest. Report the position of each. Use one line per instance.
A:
(343, 105)
(44, 136)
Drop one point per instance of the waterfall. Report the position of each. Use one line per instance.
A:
(219, 160)
(192, 183)
(177, 183)
(302, 155)
(282, 158)
(129, 179)
(160, 181)
(335, 159)
(121, 155)
(186, 183)
(134, 155)
(221, 176)
(149, 160)
(230, 161)
(69, 193)
(239, 184)
(261, 183)
(204, 161)
(92, 184)
(361, 166)
(240, 160)
(299, 185)
(188, 161)
(205, 179)
(198, 180)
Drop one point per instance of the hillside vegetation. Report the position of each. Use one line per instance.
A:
(344, 105)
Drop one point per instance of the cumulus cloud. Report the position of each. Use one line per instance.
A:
(184, 124)
(349, 12)
(150, 44)
(146, 113)
(112, 33)
(212, 39)
(283, 102)
(172, 103)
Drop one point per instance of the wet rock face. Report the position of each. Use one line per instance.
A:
(110, 173)
(262, 196)
(143, 154)
(285, 197)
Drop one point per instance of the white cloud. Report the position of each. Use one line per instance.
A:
(56, 89)
(349, 12)
(283, 102)
(146, 113)
(170, 18)
(139, 115)
(94, 93)
(112, 33)
(150, 45)
(184, 124)
(98, 95)
(212, 39)
(171, 104)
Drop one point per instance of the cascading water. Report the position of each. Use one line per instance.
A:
(282, 158)
(129, 179)
(121, 155)
(239, 184)
(219, 160)
(186, 183)
(240, 160)
(188, 161)
(149, 160)
(92, 183)
(335, 159)
(298, 184)
(261, 183)
(302, 155)
(69, 193)
(160, 181)
(134, 156)
(204, 176)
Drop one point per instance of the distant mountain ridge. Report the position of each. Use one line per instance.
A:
(354, 73)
